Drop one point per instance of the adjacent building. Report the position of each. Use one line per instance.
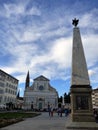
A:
(95, 98)
(19, 102)
(8, 88)
(40, 94)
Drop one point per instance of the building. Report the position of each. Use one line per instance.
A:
(95, 98)
(40, 94)
(8, 88)
(19, 102)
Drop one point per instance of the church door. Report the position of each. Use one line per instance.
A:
(40, 105)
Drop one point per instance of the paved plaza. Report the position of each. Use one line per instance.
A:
(42, 122)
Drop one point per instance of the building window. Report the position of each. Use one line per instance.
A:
(41, 87)
(1, 91)
(6, 84)
(1, 84)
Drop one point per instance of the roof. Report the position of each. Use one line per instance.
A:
(8, 75)
(41, 78)
(96, 89)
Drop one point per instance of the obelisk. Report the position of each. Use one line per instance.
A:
(81, 100)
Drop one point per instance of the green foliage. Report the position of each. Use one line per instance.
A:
(8, 118)
(67, 98)
(11, 115)
(60, 99)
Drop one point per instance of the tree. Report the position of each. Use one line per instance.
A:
(60, 101)
(67, 98)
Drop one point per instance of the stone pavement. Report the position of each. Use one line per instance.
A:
(42, 122)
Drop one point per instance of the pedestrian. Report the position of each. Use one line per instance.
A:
(60, 112)
(51, 111)
(66, 111)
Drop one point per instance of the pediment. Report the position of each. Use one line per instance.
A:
(41, 78)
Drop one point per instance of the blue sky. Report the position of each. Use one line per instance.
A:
(36, 35)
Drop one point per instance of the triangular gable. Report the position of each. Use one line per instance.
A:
(41, 78)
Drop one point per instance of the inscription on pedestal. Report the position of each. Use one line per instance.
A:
(82, 103)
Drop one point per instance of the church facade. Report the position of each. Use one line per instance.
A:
(40, 95)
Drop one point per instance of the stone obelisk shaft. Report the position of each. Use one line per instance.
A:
(79, 67)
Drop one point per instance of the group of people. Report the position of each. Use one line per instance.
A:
(66, 112)
(63, 110)
(59, 111)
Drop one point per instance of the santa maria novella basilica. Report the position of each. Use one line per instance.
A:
(40, 94)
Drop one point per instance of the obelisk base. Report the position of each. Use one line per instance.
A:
(82, 126)
(81, 102)
(83, 117)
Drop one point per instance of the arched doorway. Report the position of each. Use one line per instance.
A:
(40, 103)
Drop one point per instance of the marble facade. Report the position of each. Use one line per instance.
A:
(40, 94)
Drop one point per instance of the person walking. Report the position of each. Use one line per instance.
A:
(51, 111)
(60, 112)
(66, 111)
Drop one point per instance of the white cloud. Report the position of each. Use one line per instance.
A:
(89, 19)
(19, 9)
(21, 78)
(90, 48)
(13, 9)
(29, 36)
(91, 72)
(34, 11)
(30, 57)
(61, 52)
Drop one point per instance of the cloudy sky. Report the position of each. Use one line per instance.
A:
(36, 35)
